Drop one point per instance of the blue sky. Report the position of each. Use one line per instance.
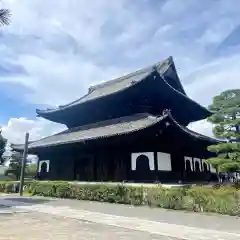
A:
(52, 52)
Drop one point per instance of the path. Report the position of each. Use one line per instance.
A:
(121, 220)
(39, 226)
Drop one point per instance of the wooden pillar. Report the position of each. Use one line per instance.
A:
(156, 166)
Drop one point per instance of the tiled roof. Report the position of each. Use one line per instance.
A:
(110, 128)
(120, 126)
(165, 67)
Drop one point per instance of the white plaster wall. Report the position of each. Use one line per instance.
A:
(212, 169)
(164, 162)
(149, 155)
(190, 159)
(208, 165)
(199, 161)
(41, 162)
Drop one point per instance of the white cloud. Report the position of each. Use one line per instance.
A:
(57, 85)
(202, 127)
(64, 46)
(63, 49)
(213, 78)
(16, 128)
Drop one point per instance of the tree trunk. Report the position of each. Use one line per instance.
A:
(237, 127)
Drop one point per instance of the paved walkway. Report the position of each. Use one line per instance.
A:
(191, 219)
(141, 221)
(39, 226)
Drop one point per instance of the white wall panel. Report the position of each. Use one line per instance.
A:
(134, 159)
(212, 169)
(164, 162)
(204, 163)
(40, 164)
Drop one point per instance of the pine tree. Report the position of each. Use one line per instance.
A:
(5, 15)
(15, 165)
(3, 142)
(226, 120)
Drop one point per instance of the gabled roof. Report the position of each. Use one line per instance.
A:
(115, 127)
(165, 68)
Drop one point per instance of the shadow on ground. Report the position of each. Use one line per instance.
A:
(26, 201)
(2, 207)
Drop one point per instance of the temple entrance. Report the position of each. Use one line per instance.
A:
(197, 167)
(188, 166)
(143, 172)
(205, 167)
(43, 168)
(189, 171)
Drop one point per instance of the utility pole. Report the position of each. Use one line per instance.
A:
(24, 159)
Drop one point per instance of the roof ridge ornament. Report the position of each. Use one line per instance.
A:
(166, 112)
(91, 89)
(154, 68)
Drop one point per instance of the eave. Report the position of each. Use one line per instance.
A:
(102, 130)
(192, 133)
(112, 128)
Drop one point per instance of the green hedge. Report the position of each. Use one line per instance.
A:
(219, 199)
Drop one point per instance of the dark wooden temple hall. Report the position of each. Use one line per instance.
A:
(132, 128)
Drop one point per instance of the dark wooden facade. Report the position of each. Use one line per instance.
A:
(110, 159)
(91, 151)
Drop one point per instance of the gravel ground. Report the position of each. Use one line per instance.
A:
(32, 225)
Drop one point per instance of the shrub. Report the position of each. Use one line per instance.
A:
(166, 198)
(9, 187)
(46, 189)
(219, 199)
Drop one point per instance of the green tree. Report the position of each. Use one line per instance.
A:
(15, 165)
(226, 120)
(5, 15)
(3, 142)
(31, 170)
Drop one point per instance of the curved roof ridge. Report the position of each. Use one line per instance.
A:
(191, 132)
(179, 83)
(84, 96)
(92, 89)
(131, 74)
(183, 95)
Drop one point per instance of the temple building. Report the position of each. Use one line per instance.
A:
(132, 128)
